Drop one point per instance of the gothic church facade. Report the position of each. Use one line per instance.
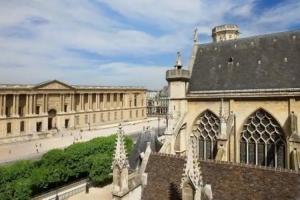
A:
(239, 98)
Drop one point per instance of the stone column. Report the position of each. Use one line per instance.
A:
(14, 105)
(34, 104)
(26, 106)
(29, 104)
(71, 102)
(1, 105)
(89, 102)
(17, 104)
(62, 103)
(82, 101)
(100, 102)
(4, 106)
(46, 104)
(97, 101)
(104, 101)
(118, 100)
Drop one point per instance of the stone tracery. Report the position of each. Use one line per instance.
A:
(207, 128)
(262, 141)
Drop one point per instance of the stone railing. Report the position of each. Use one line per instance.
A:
(64, 192)
(178, 74)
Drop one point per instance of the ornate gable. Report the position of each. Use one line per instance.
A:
(53, 85)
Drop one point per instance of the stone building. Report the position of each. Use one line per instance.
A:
(233, 131)
(34, 110)
(240, 98)
(166, 176)
(158, 102)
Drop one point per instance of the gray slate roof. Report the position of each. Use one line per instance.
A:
(141, 145)
(279, 54)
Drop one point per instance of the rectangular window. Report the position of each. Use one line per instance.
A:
(86, 119)
(121, 114)
(38, 126)
(115, 97)
(20, 111)
(37, 110)
(130, 114)
(67, 123)
(22, 126)
(101, 97)
(135, 100)
(136, 113)
(115, 116)
(7, 112)
(66, 108)
(108, 116)
(121, 99)
(108, 97)
(8, 128)
(130, 103)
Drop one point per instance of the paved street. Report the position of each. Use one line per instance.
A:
(36, 148)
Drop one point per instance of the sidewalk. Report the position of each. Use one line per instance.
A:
(36, 148)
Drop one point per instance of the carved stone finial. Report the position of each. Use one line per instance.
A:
(178, 64)
(196, 39)
(192, 169)
(120, 158)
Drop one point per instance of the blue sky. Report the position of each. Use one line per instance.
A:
(120, 42)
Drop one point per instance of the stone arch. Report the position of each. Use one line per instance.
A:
(206, 128)
(262, 140)
(52, 119)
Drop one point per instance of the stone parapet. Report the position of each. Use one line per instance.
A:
(178, 74)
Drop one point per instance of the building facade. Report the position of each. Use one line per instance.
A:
(33, 110)
(157, 102)
(240, 98)
(233, 131)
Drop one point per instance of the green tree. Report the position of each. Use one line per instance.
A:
(101, 169)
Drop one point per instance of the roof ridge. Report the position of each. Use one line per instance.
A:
(252, 166)
(264, 35)
(167, 155)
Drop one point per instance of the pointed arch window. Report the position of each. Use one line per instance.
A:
(262, 141)
(207, 128)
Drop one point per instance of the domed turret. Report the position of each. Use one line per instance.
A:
(225, 32)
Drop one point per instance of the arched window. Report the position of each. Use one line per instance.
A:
(207, 128)
(262, 141)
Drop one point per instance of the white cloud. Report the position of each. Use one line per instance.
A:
(36, 36)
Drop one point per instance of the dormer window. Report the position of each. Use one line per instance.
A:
(230, 60)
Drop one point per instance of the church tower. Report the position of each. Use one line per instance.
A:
(177, 79)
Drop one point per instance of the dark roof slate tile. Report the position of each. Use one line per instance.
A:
(278, 53)
(228, 180)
